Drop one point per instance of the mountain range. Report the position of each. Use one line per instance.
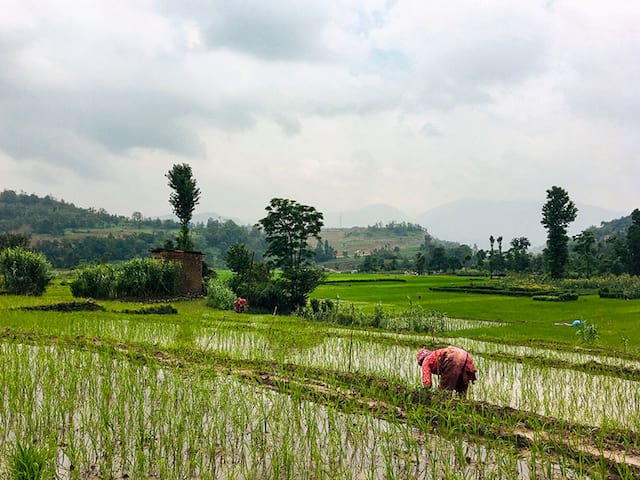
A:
(469, 221)
(473, 221)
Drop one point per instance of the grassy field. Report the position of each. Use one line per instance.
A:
(206, 393)
(618, 321)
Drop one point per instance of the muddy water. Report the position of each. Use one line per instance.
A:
(589, 399)
(106, 418)
(525, 351)
(562, 393)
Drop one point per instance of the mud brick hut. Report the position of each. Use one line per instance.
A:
(190, 280)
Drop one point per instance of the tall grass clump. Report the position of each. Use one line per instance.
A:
(219, 295)
(331, 311)
(137, 278)
(416, 319)
(413, 319)
(587, 332)
(28, 463)
(24, 272)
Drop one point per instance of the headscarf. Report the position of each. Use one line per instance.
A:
(422, 354)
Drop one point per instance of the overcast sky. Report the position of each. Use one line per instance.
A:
(334, 103)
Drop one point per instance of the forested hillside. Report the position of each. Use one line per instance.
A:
(70, 236)
(46, 215)
(612, 228)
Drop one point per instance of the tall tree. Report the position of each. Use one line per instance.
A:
(239, 259)
(288, 227)
(420, 263)
(519, 257)
(9, 240)
(585, 242)
(633, 243)
(183, 199)
(557, 213)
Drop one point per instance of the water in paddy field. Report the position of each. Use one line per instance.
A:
(111, 418)
(597, 400)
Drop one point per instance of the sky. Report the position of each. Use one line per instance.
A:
(337, 104)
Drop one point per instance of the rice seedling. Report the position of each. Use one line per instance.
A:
(153, 421)
(29, 463)
(211, 394)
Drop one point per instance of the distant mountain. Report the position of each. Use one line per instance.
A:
(365, 216)
(616, 227)
(474, 221)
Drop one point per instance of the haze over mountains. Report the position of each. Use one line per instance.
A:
(467, 221)
(474, 221)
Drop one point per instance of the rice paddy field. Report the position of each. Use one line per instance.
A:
(205, 393)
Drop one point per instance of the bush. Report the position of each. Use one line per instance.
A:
(137, 278)
(97, 281)
(219, 295)
(25, 272)
(327, 310)
(560, 297)
(415, 319)
(622, 286)
(587, 332)
(143, 278)
(155, 310)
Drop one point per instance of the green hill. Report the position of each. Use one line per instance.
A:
(612, 228)
(46, 215)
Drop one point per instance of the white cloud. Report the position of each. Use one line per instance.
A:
(335, 103)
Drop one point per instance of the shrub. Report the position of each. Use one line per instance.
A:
(97, 281)
(219, 295)
(327, 310)
(587, 332)
(155, 310)
(560, 297)
(86, 306)
(379, 316)
(146, 277)
(137, 278)
(25, 272)
(622, 286)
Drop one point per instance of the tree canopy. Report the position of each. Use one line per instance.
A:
(183, 199)
(557, 213)
(633, 243)
(288, 227)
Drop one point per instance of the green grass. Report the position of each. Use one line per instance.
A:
(309, 363)
(618, 321)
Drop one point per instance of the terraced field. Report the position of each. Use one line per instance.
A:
(212, 394)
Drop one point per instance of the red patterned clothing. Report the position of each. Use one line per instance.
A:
(454, 366)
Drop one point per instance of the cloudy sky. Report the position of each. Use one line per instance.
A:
(334, 103)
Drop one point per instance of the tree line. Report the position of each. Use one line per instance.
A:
(609, 249)
(614, 250)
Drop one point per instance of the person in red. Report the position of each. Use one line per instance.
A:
(241, 305)
(454, 366)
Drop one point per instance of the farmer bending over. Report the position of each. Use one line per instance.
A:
(454, 365)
